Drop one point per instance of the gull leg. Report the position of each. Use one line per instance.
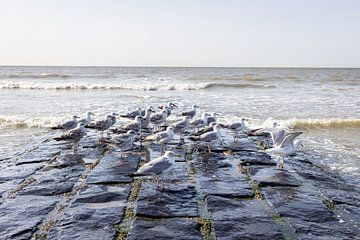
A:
(75, 148)
(283, 162)
(209, 148)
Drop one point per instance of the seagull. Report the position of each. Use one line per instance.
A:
(75, 135)
(162, 138)
(287, 147)
(68, 125)
(158, 166)
(87, 119)
(134, 125)
(181, 126)
(145, 120)
(132, 114)
(205, 129)
(209, 137)
(236, 127)
(170, 106)
(158, 118)
(212, 118)
(102, 125)
(191, 113)
(259, 130)
(123, 140)
(200, 122)
(113, 118)
(277, 134)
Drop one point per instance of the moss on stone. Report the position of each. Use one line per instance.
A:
(329, 204)
(40, 236)
(205, 226)
(136, 186)
(122, 233)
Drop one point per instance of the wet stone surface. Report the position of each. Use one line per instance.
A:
(114, 169)
(53, 182)
(91, 215)
(164, 229)
(218, 176)
(170, 200)
(235, 192)
(19, 217)
(241, 219)
(275, 177)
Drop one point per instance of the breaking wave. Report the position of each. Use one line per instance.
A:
(28, 122)
(237, 85)
(125, 86)
(322, 123)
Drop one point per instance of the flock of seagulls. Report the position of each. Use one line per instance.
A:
(149, 125)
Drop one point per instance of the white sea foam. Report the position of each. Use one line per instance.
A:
(124, 86)
(16, 121)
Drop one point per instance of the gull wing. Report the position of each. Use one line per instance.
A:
(289, 138)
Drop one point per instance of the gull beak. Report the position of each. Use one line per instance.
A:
(92, 114)
(302, 145)
(76, 117)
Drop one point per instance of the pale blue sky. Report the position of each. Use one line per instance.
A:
(259, 33)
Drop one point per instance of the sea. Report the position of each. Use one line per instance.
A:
(324, 103)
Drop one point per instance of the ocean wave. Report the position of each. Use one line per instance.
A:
(125, 86)
(313, 123)
(322, 123)
(237, 85)
(50, 75)
(36, 76)
(29, 122)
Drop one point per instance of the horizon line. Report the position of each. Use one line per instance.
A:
(159, 66)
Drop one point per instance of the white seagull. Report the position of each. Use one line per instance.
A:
(191, 113)
(158, 118)
(200, 122)
(87, 119)
(123, 140)
(209, 137)
(158, 165)
(162, 138)
(181, 126)
(75, 135)
(287, 147)
(68, 125)
(132, 114)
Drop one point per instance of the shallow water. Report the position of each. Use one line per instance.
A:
(324, 103)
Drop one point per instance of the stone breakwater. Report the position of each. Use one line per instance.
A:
(236, 192)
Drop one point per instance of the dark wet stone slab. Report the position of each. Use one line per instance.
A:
(255, 158)
(67, 160)
(8, 185)
(113, 169)
(241, 219)
(332, 230)
(165, 229)
(275, 177)
(174, 200)
(295, 202)
(93, 215)
(90, 155)
(36, 156)
(19, 217)
(218, 176)
(307, 213)
(332, 185)
(53, 182)
(19, 172)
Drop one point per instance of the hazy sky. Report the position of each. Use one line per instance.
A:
(307, 33)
